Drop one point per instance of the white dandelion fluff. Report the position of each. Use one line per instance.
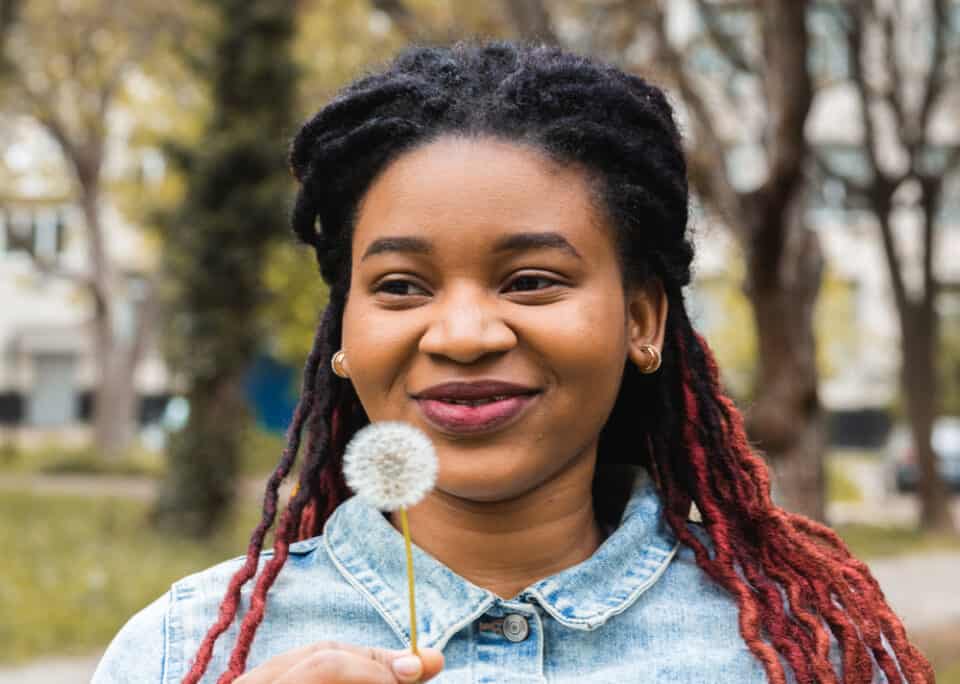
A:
(390, 465)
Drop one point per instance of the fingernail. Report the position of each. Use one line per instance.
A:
(407, 666)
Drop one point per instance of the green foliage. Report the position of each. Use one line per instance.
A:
(216, 248)
(841, 488)
(726, 319)
(948, 371)
(82, 566)
(727, 323)
(835, 319)
(949, 365)
(298, 297)
(261, 451)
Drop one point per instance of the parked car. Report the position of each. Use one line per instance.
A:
(902, 462)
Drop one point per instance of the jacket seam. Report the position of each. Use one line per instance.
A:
(166, 641)
(356, 584)
(591, 623)
(385, 612)
(481, 608)
(173, 637)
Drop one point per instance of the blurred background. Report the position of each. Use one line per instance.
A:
(155, 312)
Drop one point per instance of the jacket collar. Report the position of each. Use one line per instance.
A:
(370, 554)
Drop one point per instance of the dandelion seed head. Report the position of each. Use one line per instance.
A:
(390, 464)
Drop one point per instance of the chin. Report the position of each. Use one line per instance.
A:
(483, 486)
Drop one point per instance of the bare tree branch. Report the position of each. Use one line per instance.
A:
(827, 169)
(935, 81)
(894, 92)
(881, 186)
(724, 42)
(400, 14)
(930, 200)
(707, 169)
(531, 20)
(147, 315)
(53, 270)
(8, 14)
(883, 181)
(790, 94)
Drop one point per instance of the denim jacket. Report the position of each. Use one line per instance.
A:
(639, 609)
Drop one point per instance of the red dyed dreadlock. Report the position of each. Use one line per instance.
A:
(795, 582)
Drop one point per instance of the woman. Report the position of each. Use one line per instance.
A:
(503, 229)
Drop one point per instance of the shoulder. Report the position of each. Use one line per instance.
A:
(689, 587)
(715, 613)
(158, 643)
(137, 652)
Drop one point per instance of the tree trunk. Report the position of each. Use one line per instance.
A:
(115, 408)
(531, 20)
(215, 249)
(919, 382)
(919, 339)
(199, 491)
(786, 420)
(115, 402)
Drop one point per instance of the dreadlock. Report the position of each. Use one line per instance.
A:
(796, 584)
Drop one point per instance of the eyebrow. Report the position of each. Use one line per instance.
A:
(511, 243)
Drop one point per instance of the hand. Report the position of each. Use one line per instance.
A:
(330, 662)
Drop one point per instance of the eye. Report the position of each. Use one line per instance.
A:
(529, 283)
(398, 287)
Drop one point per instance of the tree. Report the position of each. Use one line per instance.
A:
(65, 66)
(784, 261)
(216, 246)
(759, 69)
(902, 58)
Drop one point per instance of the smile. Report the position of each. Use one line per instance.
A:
(471, 416)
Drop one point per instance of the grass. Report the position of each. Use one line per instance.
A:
(57, 459)
(260, 454)
(74, 569)
(878, 541)
(941, 646)
(67, 586)
(65, 576)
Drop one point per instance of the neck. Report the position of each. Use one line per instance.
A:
(505, 546)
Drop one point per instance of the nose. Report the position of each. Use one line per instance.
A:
(468, 324)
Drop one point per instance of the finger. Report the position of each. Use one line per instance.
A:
(406, 667)
(409, 668)
(337, 667)
(430, 663)
(270, 670)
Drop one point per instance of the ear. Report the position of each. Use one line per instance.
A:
(646, 319)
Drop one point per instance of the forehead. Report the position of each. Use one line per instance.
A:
(476, 191)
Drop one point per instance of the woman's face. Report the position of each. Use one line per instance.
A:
(479, 260)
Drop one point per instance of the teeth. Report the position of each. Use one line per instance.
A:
(476, 402)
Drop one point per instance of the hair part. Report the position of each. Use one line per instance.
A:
(796, 584)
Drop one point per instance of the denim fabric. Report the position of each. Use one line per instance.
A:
(639, 609)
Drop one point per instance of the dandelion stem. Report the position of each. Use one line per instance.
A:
(413, 609)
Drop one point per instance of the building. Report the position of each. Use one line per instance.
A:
(47, 375)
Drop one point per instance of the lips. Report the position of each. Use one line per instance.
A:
(471, 407)
(474, 390)
(472, 418)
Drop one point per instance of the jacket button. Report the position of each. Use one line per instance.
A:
(515, 628)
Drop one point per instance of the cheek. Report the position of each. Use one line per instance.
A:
(587, 337)
(376, 352)
(583, 347)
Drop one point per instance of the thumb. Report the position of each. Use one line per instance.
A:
(408, 668)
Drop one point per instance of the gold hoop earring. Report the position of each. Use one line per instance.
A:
(654, 359)
(337, 364)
